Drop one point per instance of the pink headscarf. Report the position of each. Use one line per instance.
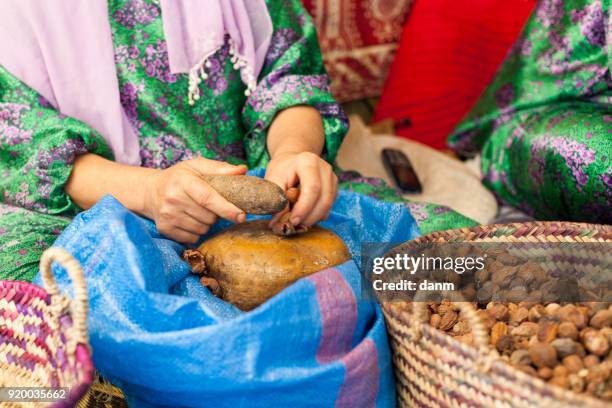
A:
(63, 49)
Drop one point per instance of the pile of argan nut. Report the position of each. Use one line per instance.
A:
(568, 345)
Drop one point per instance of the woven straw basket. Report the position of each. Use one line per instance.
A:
(43, 334)
(435, 370)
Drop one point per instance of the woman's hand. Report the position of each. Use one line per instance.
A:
(317, 181)
(184, 206)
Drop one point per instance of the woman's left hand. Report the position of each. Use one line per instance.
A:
(317, 181)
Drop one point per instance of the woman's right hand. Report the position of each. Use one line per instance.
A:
(184, 206)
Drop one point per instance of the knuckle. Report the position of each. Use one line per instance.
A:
(205, 197)
(312, 189)
(163, 227)
(172, 197)
(165, 211)
(308, 157)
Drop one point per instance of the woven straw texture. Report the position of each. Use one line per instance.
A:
(43, 334)
(102, 394)
(434, 370)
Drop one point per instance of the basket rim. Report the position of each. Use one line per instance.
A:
(525, 229)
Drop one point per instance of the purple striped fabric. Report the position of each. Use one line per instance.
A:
(361, 380)
(338, 309)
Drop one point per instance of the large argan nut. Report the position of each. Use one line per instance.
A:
(525, 329)
(520, 357)
(518, 316)
(562, 382)
(516, 294)
(552, 308)
(547, 331)
(543, 355)
(461, 327)
(597, 377)
(486, 291)
(567, 330)
(545, 373)
(521, 343)
(445, 306)
(499, 312)
(601, 319)
(576, 382)
(536, 313)
(503, 276)
(595, 342)
(528, 369)
(448, 320)
(564, 347)
(572, 314)
(573, 363)
(560, 371)
(499, 330)
(504, 344)
(595, 307)
(590, 361)
(252, 195)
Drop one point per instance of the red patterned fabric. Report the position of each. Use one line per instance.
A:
(358, 39)
(449, 51)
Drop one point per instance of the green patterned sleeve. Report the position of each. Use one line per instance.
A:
(38, 146)
(293, 74)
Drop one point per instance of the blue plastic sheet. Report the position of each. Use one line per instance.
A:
(166, 341)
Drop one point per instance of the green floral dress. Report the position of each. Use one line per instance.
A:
(544, 125)
(38, 144)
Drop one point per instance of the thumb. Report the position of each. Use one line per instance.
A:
(206, 166)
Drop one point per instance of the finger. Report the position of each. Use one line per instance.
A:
(176, 234)
(310, 188)
(206, 166)
(326, 198)
(278, 179)
(281, 177)
(202, 215)
(206, 197)
(189, 224)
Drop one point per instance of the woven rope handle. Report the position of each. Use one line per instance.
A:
(80, 304)
(481, 336)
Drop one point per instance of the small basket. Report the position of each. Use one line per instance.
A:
(43, 334)
(434, 370)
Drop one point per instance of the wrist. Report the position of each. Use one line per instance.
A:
(145, 188)
(292, 152)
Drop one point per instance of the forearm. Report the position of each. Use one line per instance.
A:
(93, 177)
(296, 130)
